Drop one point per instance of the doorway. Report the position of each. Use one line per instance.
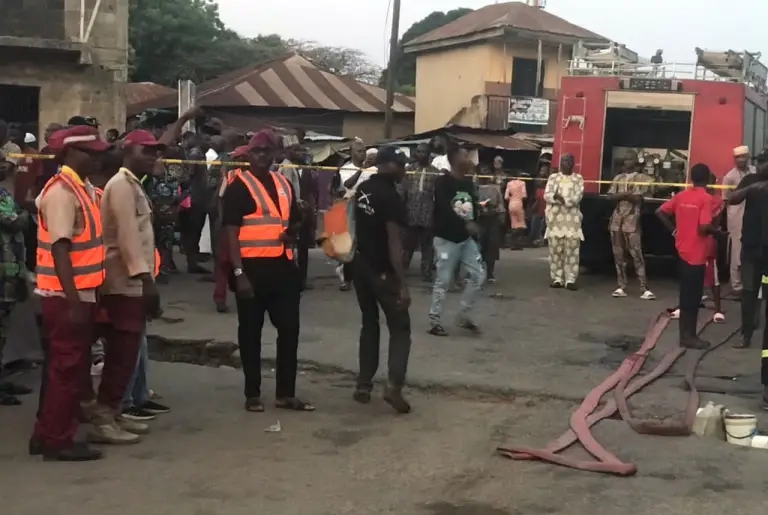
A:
(20, 106)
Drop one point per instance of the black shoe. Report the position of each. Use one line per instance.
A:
(162, 279)
(14, 389)
(35, 447)
(688, 337)
(437, 330)
(362, 396)
(394, 397)
(221, 308)
(197, 269)
(138, 414)
(571, 287)
(345, 286)
(9, 400)
(556, 284)
(155, 408)
(744, 343)
(78, 452)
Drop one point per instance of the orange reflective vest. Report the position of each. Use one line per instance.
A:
(87, 253)
(260, 234)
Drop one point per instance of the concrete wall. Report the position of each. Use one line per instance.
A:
(370, 126)
(449, 80)
(94, 84)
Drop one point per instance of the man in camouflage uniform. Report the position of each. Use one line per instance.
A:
(628, 189)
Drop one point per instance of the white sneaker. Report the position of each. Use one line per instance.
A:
(131, 426)
(648, 295)
(618, 293)
(674, 315)
(111, 434)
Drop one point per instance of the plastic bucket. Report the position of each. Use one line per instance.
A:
(740, 428)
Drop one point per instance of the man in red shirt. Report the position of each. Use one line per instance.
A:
(692, 226)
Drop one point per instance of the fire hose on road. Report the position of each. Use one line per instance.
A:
(623, 383)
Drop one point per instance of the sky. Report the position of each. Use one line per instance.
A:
(676, 26)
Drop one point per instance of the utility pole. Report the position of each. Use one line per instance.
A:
(394, 53)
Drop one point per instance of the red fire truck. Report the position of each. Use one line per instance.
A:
(672, 115)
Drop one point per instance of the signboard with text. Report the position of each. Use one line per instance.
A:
(528, 111)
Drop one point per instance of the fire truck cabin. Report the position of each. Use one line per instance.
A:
(613, 103)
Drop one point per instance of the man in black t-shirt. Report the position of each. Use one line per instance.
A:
(264, 276)
(379, 279)
(455, 230)
(753, 191)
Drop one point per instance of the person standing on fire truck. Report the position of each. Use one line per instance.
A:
(628, 189)
(735, 212)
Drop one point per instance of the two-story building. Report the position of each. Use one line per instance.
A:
(60, 58)
(497, 68)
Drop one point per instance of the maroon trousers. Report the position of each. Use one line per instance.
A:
(126, 319)
(221, 271)
(68, 362)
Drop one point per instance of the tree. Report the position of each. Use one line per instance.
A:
(348, 62)
(186, 39)
(405, 72)
(174, 39)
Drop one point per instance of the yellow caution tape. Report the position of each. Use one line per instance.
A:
(334, 168)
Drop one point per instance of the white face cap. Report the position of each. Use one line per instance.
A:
(29, 138)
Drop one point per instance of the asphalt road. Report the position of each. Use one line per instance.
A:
(540, 353)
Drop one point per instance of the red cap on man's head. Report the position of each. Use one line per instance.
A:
(81, 137)
(241, 151)
(141, 137)
(263, 139)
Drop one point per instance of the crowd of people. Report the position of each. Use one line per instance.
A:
(94, 230)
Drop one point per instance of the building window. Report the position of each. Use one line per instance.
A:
(524, 78)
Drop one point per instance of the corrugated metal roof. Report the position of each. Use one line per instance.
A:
(291, 81)
(136, 92)
(498, 141)
(513, 15)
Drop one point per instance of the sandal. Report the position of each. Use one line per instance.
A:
(9, 400)
(293, 404)
(254, 404)
(718, 318)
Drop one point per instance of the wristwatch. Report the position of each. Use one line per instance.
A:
(238, 272)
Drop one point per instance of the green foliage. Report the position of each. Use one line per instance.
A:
(186, 39)
(405, 71)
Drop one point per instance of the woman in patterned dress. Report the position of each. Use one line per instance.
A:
(563, 195)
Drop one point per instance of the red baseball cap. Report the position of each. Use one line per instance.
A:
(81, 137)
(263, 139)
(143, 138)
(240, 151)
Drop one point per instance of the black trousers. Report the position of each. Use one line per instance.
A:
(419, 238)
(192, 221)
(302, 248)
(374, 290)
(691, 286)
(753, 266)
(282, 306)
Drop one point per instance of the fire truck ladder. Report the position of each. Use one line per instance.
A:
(575, 116)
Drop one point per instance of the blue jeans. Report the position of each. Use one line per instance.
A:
(538, 226)
(450, 255)
(137, 391)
